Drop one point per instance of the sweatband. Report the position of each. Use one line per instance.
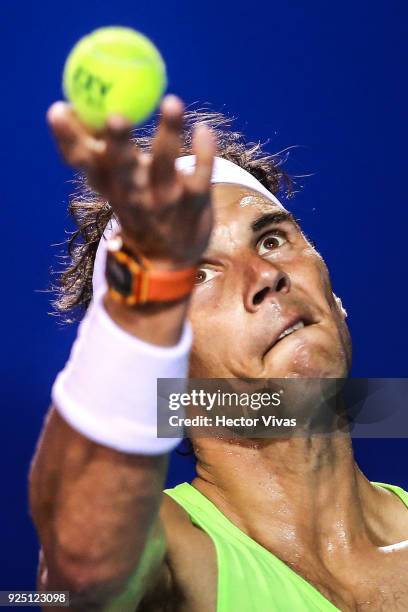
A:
(108, 388)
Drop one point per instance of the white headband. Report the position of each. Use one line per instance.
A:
(224, 171)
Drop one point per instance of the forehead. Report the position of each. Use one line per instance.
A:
(231, 199)
(238, 207)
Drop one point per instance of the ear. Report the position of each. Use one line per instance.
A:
(340, 306)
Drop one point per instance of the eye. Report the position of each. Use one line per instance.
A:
(203, 275)
(270, 242)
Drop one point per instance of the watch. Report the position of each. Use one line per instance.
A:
(132, 278)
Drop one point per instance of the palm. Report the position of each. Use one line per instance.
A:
(162, 212)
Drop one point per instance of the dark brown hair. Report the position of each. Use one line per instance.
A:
(91, 214)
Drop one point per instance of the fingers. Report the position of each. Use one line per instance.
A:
(118, 134)
(121, 155)
(109, 160)
(166, 144)
(204, 148)
(76, 144)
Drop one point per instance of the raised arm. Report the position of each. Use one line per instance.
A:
(94, 505)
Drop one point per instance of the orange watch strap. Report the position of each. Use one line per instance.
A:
(169, 286)
(150, 285)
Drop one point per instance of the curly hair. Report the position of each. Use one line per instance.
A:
(91, 213)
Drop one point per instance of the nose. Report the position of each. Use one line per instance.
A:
(263, 282)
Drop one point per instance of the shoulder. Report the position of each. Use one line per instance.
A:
(188, 577)
(188, 546)
(390, 509)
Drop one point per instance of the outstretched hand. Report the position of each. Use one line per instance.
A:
(163, 213)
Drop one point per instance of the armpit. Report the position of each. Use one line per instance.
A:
(163, 594)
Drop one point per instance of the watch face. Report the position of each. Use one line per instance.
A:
(118, 276)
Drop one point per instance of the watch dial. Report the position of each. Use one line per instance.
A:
(118, 276)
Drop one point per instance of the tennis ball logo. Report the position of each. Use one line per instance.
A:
(91, 89)
(114, 70)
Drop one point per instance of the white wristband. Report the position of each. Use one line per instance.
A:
(108, 388)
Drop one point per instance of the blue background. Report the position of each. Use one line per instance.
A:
(330, 77)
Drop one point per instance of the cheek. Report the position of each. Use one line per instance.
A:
(322, 293)
(310, 273)
(213, 310)
(212, 328)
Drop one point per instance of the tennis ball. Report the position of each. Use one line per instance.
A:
(114, 70)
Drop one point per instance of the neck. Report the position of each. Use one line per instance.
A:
(306, 491)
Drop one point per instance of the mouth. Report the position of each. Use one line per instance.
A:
(289, 330)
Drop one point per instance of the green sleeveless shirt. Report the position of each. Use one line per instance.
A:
(250, 578)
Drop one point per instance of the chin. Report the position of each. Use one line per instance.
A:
(308, 355)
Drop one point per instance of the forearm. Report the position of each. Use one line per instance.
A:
(94, 506)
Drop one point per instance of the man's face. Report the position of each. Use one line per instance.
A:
(258, 278)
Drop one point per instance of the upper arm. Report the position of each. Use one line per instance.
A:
(150, 576)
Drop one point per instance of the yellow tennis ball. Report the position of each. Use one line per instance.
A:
(114, 70)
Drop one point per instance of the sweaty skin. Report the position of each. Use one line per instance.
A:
(108, 534)
(309, 503)
(252, 283)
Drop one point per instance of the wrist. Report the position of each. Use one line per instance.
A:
(159, 323)
(133, 279)
(159, 261)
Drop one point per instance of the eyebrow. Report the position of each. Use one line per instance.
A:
(272, 218)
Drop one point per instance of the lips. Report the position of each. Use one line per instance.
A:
(289, 327)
